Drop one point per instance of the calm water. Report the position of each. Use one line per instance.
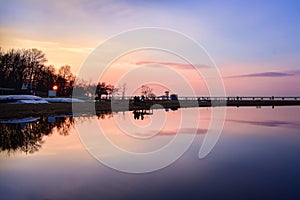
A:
(257, 156)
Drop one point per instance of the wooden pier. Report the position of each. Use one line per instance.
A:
(25, 110)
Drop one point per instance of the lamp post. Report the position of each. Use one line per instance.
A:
(52, 93)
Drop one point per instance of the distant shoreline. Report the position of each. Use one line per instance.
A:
(10, 111)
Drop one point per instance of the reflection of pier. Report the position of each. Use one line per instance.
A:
(137, 114)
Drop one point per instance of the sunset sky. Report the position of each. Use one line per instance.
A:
(255, 44)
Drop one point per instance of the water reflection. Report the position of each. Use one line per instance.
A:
(268, 123)
(140, 113)
(258, 153)
(27, 136)
(104, 115)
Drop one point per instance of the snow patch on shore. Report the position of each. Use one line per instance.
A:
(19, 97)
(31, 99)
(63, 100)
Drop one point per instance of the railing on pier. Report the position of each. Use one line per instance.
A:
(226, 98)
(249, 98)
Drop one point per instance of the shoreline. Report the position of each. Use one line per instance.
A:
(11, 111)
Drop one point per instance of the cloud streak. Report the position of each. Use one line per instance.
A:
(184, 131)
(269, 123)
(174, 132)
(263, 75)
(181, 66)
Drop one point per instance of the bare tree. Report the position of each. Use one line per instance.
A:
(102, 89)
(147, 92)
(123, 88)
(65, 80)
(114, 92)
(21, 66)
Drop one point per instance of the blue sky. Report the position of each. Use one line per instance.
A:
(243, 37)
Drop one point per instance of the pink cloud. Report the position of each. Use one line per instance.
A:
(263, 74)
(170, 64)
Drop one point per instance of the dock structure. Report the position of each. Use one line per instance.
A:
(237, 101)
(257, 101)
(207, 101)
(240, 98)
(128, 104)
(222, 98)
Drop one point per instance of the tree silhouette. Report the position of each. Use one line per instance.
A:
(147, 92)
(25, 71)
(104, 89)
(65, 81)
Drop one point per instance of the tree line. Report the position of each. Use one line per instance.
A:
(25, 71)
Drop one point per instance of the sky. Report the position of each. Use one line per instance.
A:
(254, 44)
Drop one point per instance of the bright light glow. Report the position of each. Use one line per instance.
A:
(55, 87)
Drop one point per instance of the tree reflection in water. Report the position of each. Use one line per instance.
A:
(104, 115)
(28, 136)
(141, 113)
